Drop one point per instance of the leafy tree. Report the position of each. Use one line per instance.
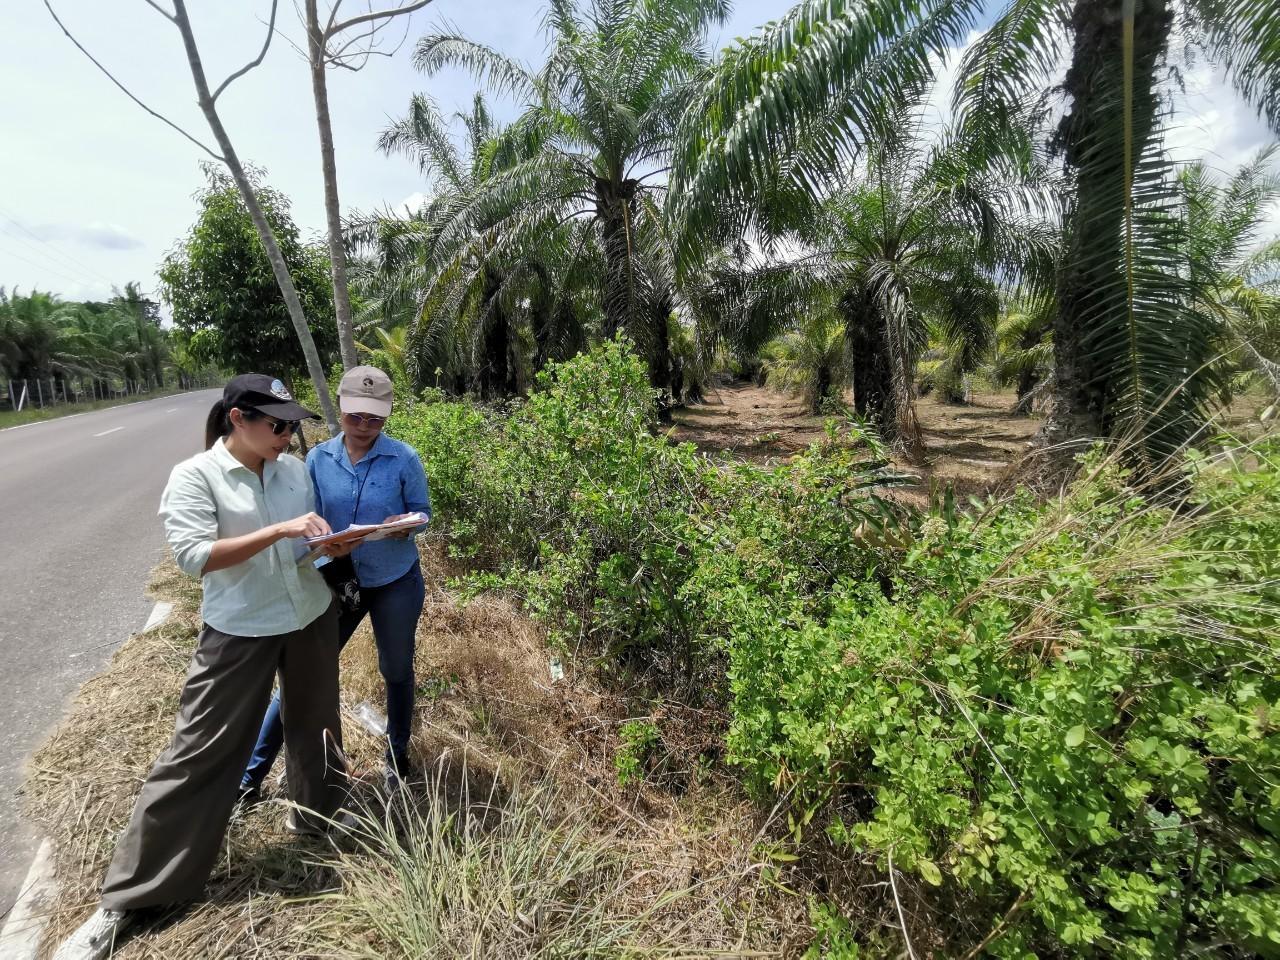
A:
(223, 294)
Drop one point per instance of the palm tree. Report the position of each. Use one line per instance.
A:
(602, 112)
(811, 359)
(1023, 348)
(919, 239)
(466, 297)
(1238, 279)
(476, 296)
(781, 105)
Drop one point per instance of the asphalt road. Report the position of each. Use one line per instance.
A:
(78, 537)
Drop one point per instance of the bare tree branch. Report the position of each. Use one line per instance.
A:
(271, 32)
(160, 10)
(339, 59)
(375, 15)
(333, 16)
(123, 88)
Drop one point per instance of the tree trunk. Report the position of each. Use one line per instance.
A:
(317, 53)
(615, 207)
(866, 338)
(1093, 142)
(658, 354)
(265, 234)
(496, 370)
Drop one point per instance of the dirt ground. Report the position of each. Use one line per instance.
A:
(969, 447)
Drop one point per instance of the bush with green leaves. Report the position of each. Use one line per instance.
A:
(1059, 717)
(620, 541)
(1064, 717)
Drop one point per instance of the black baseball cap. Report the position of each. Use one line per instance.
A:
(269, 395)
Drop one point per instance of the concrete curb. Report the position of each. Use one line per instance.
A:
(20, 938)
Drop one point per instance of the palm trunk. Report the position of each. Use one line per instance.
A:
(316, 50)
(615, 207)
(496, 372)
(867, 340)
(1093, 142)
(658, 354)
(265, 234)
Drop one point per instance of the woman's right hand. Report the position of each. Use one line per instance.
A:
(307, 525)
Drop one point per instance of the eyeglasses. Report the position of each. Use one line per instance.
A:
(280, 426)
(277, 426)
(360, 420)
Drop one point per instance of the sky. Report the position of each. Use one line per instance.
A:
(94, 192)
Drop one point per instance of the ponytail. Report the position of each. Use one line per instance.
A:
(217, 425)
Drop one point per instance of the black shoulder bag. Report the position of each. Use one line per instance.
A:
(340, 572)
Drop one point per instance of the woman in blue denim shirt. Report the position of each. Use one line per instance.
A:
(364, 476)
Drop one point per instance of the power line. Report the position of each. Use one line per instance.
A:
(41, 266)
(51, 263)
(68, 258)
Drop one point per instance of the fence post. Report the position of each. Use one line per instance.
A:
(13, 401)
(22, 397)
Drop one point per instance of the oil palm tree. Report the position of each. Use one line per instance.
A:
(603, 111)
(1239, 279)
(461, 295)
(811, 359)
(780, 106)
(919, 240)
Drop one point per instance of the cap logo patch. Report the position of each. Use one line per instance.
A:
(368, 381)
(279, 390)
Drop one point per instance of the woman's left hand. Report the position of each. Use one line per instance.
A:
(339, 549)
(405, 535)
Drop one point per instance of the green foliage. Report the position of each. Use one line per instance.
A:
(639, 737)
(41, 336)
(225, 300)
(618, 540)
(1065, 712)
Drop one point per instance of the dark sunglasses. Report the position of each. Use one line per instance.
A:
(360, 420)
(277, 426)
(280, 426)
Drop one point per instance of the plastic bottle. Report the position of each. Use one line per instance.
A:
(371, 718)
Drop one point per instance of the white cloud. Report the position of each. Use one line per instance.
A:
(412, 203)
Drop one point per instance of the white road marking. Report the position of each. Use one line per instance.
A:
(171, 409)
(105, 432)
(21, 934)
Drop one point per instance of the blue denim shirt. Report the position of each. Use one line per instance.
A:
(393, 482)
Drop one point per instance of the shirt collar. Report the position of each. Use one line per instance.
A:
(228, 462)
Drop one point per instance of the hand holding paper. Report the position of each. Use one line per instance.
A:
(369, 532)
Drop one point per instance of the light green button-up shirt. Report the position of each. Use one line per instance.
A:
(213, 496)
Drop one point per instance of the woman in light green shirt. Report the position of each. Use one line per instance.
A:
(235, 516)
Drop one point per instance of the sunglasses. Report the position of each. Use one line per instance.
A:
(360, 420)
(280, 426)
(277, 426)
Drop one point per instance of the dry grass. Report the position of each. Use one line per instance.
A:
(674, 865)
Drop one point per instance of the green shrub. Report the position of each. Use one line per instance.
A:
(639, 737)
(1065, 716)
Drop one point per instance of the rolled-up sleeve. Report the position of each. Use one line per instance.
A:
(315, 500)
(413, 480)
(190, 519)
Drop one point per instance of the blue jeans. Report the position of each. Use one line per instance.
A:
(395, 609)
